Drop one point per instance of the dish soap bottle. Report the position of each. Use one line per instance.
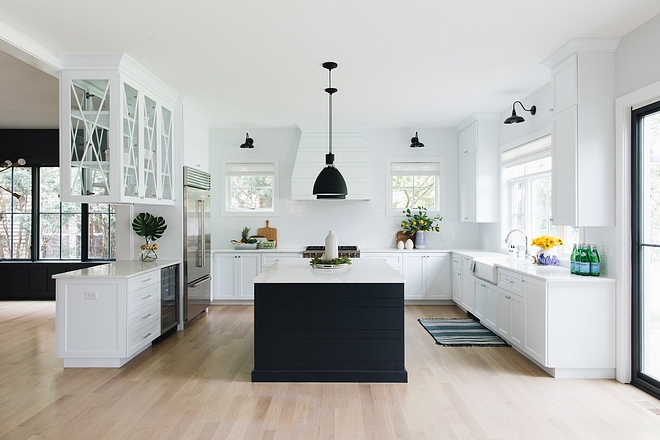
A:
(331, 249)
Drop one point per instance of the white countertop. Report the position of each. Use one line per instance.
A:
(545, 273)
(368, 270)
(119, 269)
(268, 251)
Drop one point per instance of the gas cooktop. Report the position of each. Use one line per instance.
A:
(344, 251)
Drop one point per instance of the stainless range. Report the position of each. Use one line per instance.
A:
(344, 251)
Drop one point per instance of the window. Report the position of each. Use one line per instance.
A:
(250, 187)
(15, 213)
(415, 183)
(527, 193)
(55, 230)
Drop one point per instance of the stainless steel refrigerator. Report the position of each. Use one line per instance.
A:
(197, 242)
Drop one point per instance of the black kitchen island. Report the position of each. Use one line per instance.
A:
(333, 325)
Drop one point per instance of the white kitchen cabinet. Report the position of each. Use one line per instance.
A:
(195, 134)
(468, 299)
(268, 259)
(116, 131)
(583, 167)
(427, 275)
(491, 316)
(233, 274)
(394, 259)
(486, 303)
(511, 306)
(478, 168)
(535, 318)
(456, 279)
(106, 315)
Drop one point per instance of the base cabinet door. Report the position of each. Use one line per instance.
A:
(414, 274)
(535, 319)
(436, 274)
(223, 276)
(468, 286)
(492, 307)
(246, 267)
(456, 286)
(504, 321)
(479, 299)
(517, 319)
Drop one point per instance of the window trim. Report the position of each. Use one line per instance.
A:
(224, 188)
(440, 189)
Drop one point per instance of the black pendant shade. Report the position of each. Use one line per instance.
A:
(249, 142)
(514, 118)
(330, 184)
(415, 143)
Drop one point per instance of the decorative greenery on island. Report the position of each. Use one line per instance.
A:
(419, 221)
(336, 261)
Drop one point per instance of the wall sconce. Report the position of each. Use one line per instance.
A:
(7, 165)
(514, 118)
(415, 143)
(249, 142)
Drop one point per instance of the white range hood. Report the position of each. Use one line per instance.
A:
(351, 160)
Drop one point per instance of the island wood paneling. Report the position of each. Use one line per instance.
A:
(345, 332)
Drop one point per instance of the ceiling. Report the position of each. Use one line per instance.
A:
(252, 63)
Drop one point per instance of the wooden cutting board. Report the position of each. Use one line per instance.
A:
(268, 232)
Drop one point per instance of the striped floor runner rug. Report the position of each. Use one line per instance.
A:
(461, 332)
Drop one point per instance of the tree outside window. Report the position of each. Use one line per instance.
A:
(16, 214)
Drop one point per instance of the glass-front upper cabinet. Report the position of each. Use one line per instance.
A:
(116, 132)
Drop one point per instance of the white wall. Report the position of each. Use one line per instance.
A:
(364, 223)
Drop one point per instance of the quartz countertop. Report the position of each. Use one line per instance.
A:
(368, 270)
(118, 269)
(266, 251)
(526, 267)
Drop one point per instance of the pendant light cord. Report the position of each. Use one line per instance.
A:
(330, 110)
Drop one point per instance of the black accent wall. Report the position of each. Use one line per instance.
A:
(37, 147)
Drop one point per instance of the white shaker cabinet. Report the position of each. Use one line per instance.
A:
(233, 274)
(194, 134)
(486, 303)
(456, 279)
(427, 275)
(478, 168)
(468, 299)
(511, 306)
(116, 131)
(582, 127)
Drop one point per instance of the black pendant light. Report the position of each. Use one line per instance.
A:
(514, 118)
(249, 142)
(330, 184)
(415, 143)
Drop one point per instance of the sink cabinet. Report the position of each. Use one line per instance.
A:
(116, 129)
(456, 279)
(486, 304)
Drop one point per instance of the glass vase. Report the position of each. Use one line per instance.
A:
(147, 255)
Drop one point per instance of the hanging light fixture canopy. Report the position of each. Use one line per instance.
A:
(330, 184)
(249, 142)
(514, 118)
(415, 143)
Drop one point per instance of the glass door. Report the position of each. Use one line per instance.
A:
(646, 248)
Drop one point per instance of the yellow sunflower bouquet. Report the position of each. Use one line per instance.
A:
(547, 242)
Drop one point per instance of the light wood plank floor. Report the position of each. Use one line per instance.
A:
(196, 385)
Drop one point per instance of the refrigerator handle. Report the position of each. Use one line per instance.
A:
(202, 234)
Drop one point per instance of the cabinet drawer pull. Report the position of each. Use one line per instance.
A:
(145, 297)
(146, 336)
(148, 279)
(145, 317)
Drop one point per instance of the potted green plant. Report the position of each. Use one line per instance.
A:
(151, 228)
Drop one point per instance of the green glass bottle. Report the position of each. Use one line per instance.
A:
(573, 258)
(594, 262)
(584, 260)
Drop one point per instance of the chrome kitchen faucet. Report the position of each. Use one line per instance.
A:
(517, 247)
